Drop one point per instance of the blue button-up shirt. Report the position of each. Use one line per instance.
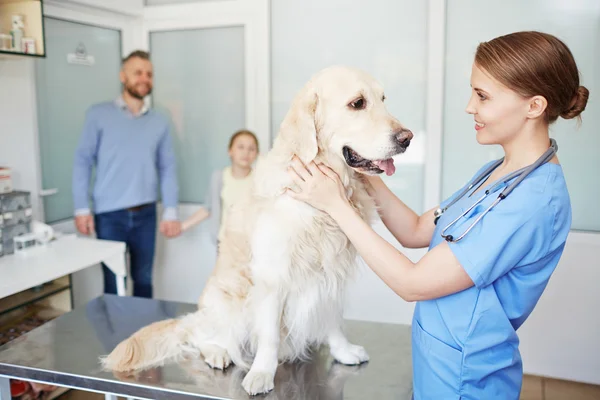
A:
(131, 155)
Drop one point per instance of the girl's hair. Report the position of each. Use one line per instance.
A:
(240, 133)
(535, 63)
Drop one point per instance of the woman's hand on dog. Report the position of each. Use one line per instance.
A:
(318, 185)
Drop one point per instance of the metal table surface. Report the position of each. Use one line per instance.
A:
(65, 352)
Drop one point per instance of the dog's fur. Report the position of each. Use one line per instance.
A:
(277, 289)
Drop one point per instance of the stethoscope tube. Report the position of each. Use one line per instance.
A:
(520, 174)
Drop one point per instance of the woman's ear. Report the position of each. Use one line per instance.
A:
(537, 107)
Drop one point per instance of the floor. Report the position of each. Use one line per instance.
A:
(534, 388)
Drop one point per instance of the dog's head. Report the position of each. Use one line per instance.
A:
(341, 111)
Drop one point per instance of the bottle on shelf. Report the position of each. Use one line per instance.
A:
(17, 32)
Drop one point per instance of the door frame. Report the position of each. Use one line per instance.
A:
(128, 25)
(253, 16)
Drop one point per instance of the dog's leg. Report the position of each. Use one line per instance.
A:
(270, 265)
(261, 377)
(342, 350)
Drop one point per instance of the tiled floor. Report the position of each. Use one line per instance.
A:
(534, 388)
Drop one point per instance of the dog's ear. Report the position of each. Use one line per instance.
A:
(299, 128)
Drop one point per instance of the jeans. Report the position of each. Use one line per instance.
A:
(138, 230)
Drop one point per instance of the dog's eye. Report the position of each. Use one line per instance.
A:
(358, 104)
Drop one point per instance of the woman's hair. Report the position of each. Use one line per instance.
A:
(536, 64)
(241, 133)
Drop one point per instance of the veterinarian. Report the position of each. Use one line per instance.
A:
(486, 268)
(227, 184)
(130, 147)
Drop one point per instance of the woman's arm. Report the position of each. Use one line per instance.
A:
(437, 274)
(410, 229)
(204, 212)
(195, 219)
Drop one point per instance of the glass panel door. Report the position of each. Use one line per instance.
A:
(199, 81)
(81, 68)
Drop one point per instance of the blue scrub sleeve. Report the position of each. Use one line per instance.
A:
(505, 238)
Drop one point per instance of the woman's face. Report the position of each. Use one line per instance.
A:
(500, 113)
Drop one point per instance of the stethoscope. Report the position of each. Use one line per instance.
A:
(520, 174)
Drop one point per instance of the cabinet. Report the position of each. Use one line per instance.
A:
(29, 309)
(35, 286)
(22, 28)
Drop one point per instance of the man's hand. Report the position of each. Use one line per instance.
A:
(170, 229)
(85, 224)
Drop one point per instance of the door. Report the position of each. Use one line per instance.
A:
(210, 79)
(81, 68)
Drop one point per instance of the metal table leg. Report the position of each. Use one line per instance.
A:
(118, 265)
(121, 289)
(4, 388)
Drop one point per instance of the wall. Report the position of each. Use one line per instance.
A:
(561, 337)
(18, 124)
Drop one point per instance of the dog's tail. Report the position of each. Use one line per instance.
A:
(150, 346)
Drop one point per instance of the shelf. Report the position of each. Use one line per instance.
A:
(29, 296)
(24, 311)
(42, 395)
(32, 12)
(30, 318)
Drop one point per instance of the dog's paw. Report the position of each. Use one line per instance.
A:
(216, 357)
(351, 354)
(257, 382)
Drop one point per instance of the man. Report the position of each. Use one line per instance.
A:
(130, 147)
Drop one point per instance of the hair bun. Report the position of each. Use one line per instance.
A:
(577, 104)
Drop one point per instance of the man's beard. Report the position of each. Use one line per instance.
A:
(132, 91)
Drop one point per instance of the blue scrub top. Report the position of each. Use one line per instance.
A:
(465, 345)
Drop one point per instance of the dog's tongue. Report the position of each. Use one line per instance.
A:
(386, 165)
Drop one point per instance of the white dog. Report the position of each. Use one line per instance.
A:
(278, 286)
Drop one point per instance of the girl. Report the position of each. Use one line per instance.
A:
(227, 184)
(486, 268)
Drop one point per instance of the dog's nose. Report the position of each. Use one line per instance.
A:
(403, 137)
